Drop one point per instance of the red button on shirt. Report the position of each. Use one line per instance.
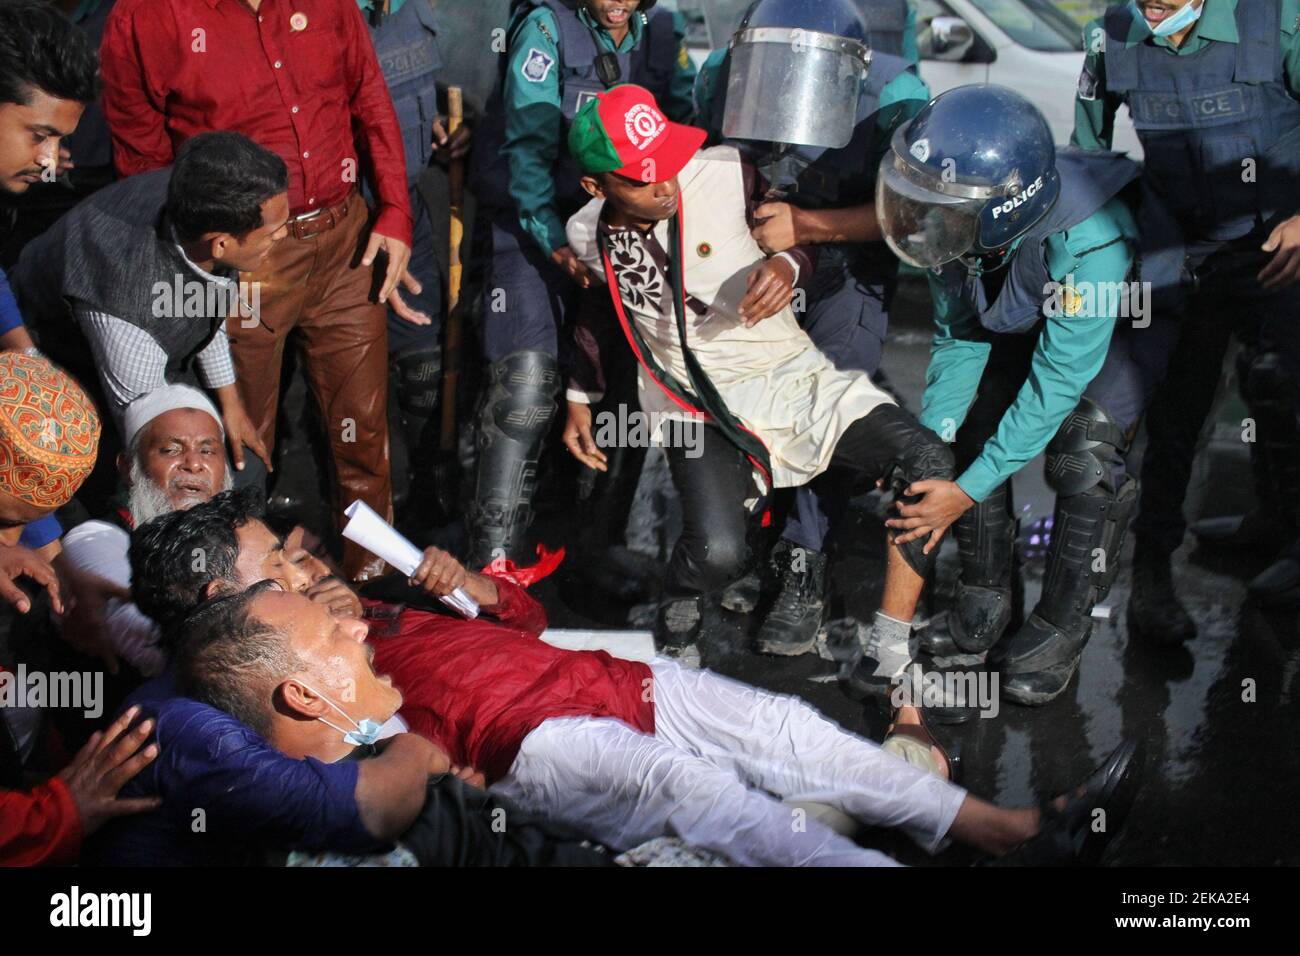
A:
(176, 68)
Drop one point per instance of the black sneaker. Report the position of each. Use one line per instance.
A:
(677, 624)
(791, 626)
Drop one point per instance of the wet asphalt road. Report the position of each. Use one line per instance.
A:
(1223, 771)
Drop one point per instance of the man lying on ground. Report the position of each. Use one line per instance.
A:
(252, 777)
(619, 750)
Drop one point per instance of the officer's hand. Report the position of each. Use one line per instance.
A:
(771, 287)
(446, 148)
(942, 503)
(404, 311)
(398, 253)
(16, 562)
(577, 437)
(106, 764)
(575, 268)
(1284, 242)
(776, 230)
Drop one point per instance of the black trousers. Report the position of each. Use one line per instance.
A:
(714, 480)
(461, 825)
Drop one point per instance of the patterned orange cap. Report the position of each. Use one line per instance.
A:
(49, 431)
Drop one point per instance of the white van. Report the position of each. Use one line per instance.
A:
(1030, 46)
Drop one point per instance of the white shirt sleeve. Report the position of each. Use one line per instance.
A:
(98, 547)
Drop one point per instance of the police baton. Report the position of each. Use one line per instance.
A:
(445, 471)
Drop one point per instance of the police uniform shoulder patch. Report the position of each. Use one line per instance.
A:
(1087, 82)
(537, 66)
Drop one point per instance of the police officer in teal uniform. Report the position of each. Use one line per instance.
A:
(1212, 87)
(1019, 237)
(559, 54)
(822, 196)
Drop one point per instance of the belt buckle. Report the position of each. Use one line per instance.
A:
(301, 226)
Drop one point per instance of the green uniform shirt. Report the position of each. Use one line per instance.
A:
(1069, 353)
(535, 121)
(1094, 107)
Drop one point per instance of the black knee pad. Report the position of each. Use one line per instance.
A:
(1078, 456)
(924, 456)
(520, 398)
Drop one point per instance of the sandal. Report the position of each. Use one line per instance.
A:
(1067, 837)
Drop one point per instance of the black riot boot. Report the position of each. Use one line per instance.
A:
(1087, 536)
(1269, 394)
(791, 627)
(517, 411)
(986, 594)
(1155, 614)
(419, 380)
(1088, 531)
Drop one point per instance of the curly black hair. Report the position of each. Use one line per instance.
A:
(40, 49)
(176, 556)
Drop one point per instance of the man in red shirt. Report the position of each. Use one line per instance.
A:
(622, 751)
(297, 77)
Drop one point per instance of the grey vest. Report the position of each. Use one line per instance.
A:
(407, 48)
(1089, 180)
(111, 253)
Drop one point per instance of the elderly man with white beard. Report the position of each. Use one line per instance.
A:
(175, 459)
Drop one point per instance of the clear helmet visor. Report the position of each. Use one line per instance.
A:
(924, 228)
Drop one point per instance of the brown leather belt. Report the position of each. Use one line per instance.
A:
(309, 225)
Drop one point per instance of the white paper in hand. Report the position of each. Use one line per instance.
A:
(382, 540)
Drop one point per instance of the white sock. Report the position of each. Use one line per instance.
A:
(888, 645)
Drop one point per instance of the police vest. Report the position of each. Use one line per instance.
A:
(406, 46)
(1220, 130)
(651, 63)
(1089, 180)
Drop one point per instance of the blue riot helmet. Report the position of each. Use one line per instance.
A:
(969, 174)
(797, 68)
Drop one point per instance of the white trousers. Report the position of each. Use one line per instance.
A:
(722, 758)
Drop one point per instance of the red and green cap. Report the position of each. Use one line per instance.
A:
(622, 131)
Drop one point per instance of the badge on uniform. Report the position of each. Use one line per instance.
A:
(583, 97)
(1087, 83)
(537, 66)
